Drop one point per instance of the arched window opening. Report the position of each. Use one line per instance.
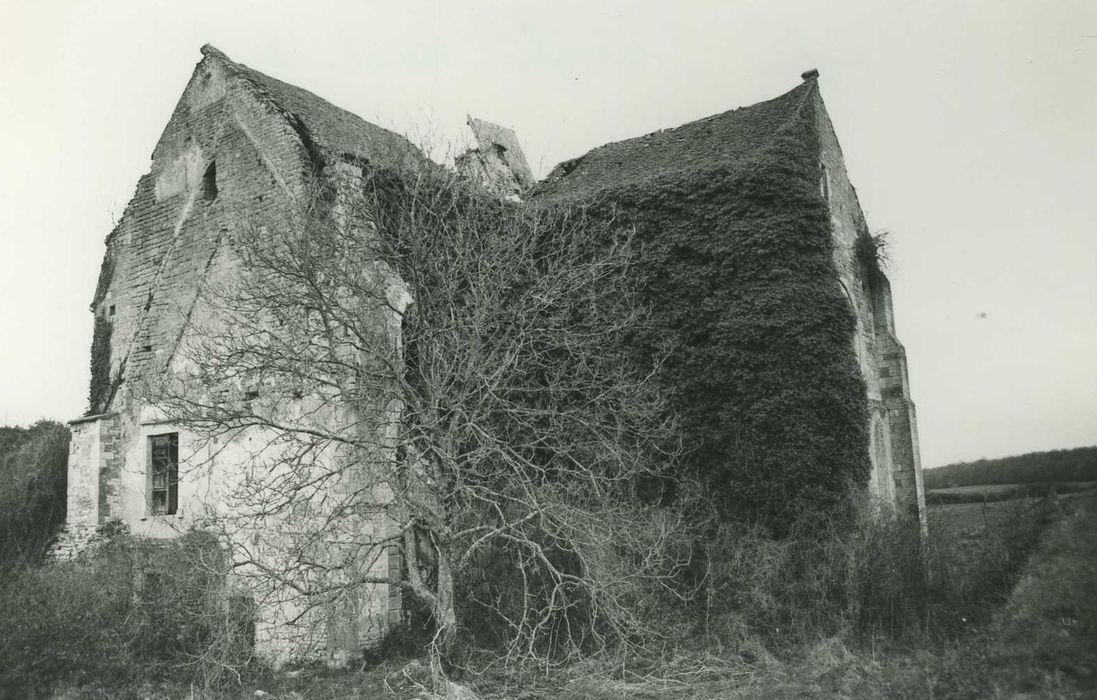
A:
(858, 338)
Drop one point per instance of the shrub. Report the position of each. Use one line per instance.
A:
(877, 579)
(33, 464)
(70, 622)
(131, 612)
(872, 251)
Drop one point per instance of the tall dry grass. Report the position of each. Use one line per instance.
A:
(880, 579)
(130, 613)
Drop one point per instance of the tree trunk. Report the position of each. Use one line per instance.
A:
(445, 610)
(441, 600)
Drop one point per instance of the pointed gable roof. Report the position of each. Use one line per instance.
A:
(326, 130)
(731, 138)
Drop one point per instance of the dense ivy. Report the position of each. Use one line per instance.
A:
(737, 265)
(101, 388)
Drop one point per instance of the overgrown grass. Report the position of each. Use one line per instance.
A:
(877, 582)
(859, 611)
(132, 613)
(870, 612)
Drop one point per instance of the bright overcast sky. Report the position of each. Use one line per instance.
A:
(969, 129)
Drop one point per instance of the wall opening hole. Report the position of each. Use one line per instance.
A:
(209, 182)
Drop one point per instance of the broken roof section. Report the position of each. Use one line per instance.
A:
(327, 131)
(497, 164)
(505, 142)
(730, 138)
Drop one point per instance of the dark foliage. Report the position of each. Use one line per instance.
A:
(131, 613)
(878, 580)
(737, 267)
(871, 250)
(33, 474)
(101, 388)
(1079, 464)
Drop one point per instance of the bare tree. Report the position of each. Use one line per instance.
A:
(423, 369)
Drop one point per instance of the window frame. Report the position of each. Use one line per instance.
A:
(169, 504)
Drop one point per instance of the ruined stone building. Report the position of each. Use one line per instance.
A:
(241, 143)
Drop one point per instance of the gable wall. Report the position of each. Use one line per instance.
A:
(172, 236)
(170, 230)
(163, 247)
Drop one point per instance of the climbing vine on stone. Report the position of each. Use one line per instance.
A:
(737, 267)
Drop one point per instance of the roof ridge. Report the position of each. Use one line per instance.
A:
(709, 118)
(320, 123)
(739, 135)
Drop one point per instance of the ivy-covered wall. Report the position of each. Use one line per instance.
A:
(101, 388)
(738, 266)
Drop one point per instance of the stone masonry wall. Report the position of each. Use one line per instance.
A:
(894, 446)
(95, 462)
(222, 156)
(226, 159)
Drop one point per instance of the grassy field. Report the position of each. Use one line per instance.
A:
(1002, 492)
(1043, 642)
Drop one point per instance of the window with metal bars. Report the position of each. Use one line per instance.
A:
(163, 470)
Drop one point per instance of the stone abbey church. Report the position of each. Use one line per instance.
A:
(240, 143)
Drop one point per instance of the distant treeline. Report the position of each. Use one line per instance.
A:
(33, 464)
(1079, 464)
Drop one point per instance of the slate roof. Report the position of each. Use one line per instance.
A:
(332, 129)
(732, 137)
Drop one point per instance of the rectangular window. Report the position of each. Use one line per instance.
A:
(163, 462)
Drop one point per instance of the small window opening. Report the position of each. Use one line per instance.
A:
(146, 348)
(209, 182)
(824, 183)
(163, 461)
(111, 310)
